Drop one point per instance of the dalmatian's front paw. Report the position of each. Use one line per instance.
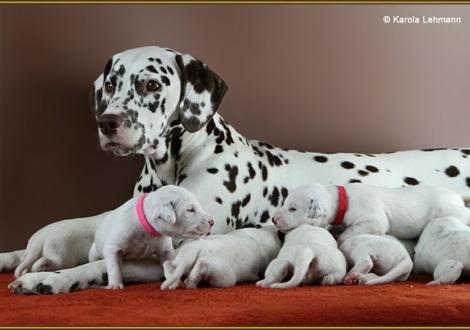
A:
(43, 283)
(353, 279)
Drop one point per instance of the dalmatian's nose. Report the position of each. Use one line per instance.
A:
(211, 222)
(108, 124)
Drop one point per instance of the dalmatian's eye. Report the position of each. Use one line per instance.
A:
(152, 86)
(109, 88)
(191, 210)
(292, 209)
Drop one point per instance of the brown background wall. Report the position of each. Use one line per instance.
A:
(318, 77)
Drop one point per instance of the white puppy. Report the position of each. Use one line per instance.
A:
(385, 255)
(443, 250)
(311, 255)
(143, 227)
(223, 260)
(365, 209)
(56, 246)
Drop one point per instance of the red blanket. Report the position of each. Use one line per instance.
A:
(409, 303)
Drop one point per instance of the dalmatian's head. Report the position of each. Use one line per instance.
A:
(144, 91)
(307, 204)
(175, 212)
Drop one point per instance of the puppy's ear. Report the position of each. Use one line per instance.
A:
(316, 209)
(166, 213)
(202, 91)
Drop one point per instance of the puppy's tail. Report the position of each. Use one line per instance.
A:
(10, 260)
(303, 259)
(32, 254)
(401, 271)
(184, 261)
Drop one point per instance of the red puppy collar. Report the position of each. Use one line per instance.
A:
(342, 206)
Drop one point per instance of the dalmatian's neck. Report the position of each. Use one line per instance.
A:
(184, 149)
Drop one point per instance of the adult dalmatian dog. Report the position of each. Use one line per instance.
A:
(163, 104)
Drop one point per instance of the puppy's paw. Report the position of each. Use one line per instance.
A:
(115, 286)
(262, 284)
(353, 279)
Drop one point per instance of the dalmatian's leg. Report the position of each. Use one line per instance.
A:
(303, 259)
(276, 272)
(9, 261)
(447, 272)
(85, 276)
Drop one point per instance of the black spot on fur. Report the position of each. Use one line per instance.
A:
(411, 181)
(354, 181)
(468, 181)
(219, 200)
(363, 173)
(347, 165)
(236, 209)
(212, 170)
(452, 171)
(274, 198)
(246, 200)
(107, 69)
(465, 151)
(43, 289)
(264, 216)
(92, 282)
(320, 159)
(165, 80)
(372, 169)
(180, 178)
(218, 149)
(273, 160)
(151, 68)
(265, 191)
(433, 149)
(74, 286)
(284, 193)
(232, 177)
(104, 279)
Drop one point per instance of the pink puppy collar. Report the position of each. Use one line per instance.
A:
(139, 207)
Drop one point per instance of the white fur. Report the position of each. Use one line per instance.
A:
(443, 250)
(222, 260)
(173, 211)
(385, 255)
(400, 212)
(311, 255)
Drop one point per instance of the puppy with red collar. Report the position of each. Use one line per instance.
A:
(365, 209)
(144, 227)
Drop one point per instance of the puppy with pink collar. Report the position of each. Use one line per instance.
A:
(144, 226)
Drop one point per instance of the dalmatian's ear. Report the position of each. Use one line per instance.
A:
(98, 105)
(316, 209)
(166, 213)
(202, 91)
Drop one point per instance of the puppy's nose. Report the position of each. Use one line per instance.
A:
(275, 220)
(108, 124)
(211, 222)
